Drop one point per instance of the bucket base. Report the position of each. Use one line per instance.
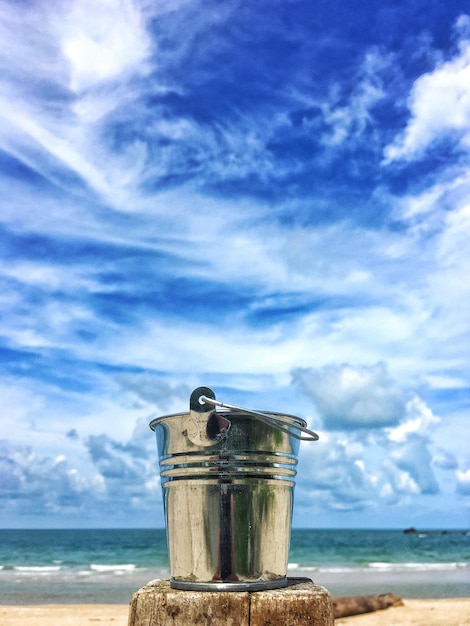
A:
(258, 585)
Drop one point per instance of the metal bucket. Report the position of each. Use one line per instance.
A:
(227, 477)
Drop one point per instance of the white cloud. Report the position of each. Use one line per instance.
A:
(38, 484)
(445, 459)
(463, 481)
(21, 32)
(401, 483)
(419, 421)
(376, 467)
(333, 475)
(363, 472)
(439, 104)
(347, 123)
(414, 459)
(350, 397)
(428, 212)
(103, 41)
(45, 128)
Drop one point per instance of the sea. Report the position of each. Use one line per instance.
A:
(108, 566)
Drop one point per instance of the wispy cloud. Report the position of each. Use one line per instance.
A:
(439, 105)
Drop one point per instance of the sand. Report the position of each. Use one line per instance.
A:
(449, 612)
(452, 612)
(65, 615)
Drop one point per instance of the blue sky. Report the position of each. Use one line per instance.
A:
(271, 199)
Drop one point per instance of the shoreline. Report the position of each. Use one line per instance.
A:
(413, 584)
(119, 592)
(113, 588)
(414, 612)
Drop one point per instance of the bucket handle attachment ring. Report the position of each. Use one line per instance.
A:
(274, 420)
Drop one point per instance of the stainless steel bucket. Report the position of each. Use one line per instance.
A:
(227, 477)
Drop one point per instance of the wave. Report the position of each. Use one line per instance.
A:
(318, 568)
(37, 568)
(380, 567)
(412, 566)
(126, 567)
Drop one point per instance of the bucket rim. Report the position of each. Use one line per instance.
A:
(231, 412)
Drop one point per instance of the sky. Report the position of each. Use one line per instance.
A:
(271, 199)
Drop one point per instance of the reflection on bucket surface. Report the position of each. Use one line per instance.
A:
(228, 484)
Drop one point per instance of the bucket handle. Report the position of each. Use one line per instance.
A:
(274, 420)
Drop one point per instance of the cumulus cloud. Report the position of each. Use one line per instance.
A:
(334, 476)
(439, 105)
(358, 469)
(418, 420)
(445, 459)
(349, 397)
(463, 482)
(35, 484)
(414, 459)
(409, 460)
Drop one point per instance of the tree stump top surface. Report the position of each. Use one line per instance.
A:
(302, 603)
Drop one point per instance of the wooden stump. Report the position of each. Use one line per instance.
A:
(302, 603)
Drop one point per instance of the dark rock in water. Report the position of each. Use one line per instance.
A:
(410, 531)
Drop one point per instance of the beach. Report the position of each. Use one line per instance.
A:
(443, 612)
(447, 612)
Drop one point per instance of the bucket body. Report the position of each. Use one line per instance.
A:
(228, 488)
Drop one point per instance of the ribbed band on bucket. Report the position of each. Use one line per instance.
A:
(254, 465)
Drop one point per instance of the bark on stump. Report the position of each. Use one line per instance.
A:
(302, 603)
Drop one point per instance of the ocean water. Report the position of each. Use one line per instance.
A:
(108, 566)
